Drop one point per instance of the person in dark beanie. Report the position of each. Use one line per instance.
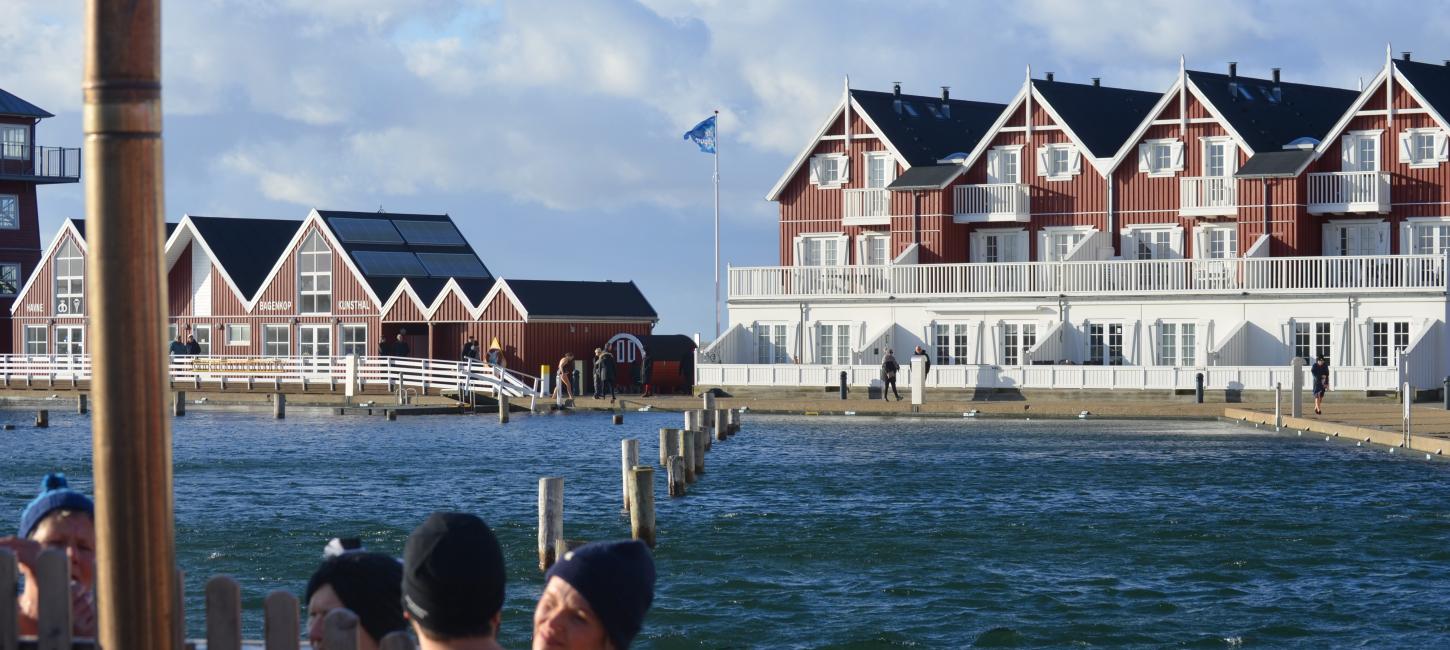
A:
(59, 518)
(453, 582)
(369, 584)
(595, 597)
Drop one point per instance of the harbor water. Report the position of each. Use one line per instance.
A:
(846, 532)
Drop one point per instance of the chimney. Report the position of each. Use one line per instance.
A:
(1233, 69)
(1405, 56)
(1447, 63)
(896, 96)
(1276, 76)
(946, 97)
(1233, 83)
(1049, 76)
(946, 93)
(1097, 82)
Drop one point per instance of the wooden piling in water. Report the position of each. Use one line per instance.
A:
(628, 459)
(720, 419)
(178, 403)
(339, 630)
(702, 445)
(52, 571)
(279, 405)
(9, 621)
(223, 614)
(81, 406)
(692, 419)
(503, 409)
(668, 445)
(687, 452)
(42, 418)
(733, 419)
(391, 415)
(675, 472)
(551, 518)
(618, 417)
(708, 403)
(642, 504)
(280, 621)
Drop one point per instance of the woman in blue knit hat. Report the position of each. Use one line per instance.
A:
(64, 519)
(595, 597)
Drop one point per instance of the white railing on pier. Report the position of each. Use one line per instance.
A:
(1044, 376)
(1349, 192)
(1271, 275)
(991, 202)
(867, 206)
(1207, 195)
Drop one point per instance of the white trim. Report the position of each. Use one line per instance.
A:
(177, 242)
(1194, 120)
(1023, 129)
(1399, 111)
(502, 286)
(66, 226)
(800, 158)
(1420, 99)
(843, 170)
(1213, 110)
(1098, 163)
(1149, 120)
(986, 141)
(866, 117)
(1166, 172)
(854, 136)
(1339, 127)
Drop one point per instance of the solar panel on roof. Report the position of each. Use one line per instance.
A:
(453, 265)
(365, 231)
(429, 233)
(389, 263)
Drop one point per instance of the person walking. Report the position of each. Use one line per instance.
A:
(889, 368)
(603, 374)
(646, 370)
(1320, 378)
(564, 392)
(470, 349)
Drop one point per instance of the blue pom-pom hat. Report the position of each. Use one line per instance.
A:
(55, 494)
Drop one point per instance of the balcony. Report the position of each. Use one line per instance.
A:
(866, 207)
(1206, 196)
(32, 164)
(1349, 192)
(994, 202)
(1378, 274)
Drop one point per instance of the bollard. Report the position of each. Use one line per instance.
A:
(668, 445)
(1278, 405)
(1445, 393)
(687, 452)
(1198, 388)
(642, 504)
(279, 406)
(390, 414)
(82, 408)
(618, 417)
(628, 459)
(42, 418)
(844, 389)
(178, 403)
(675, 472)
(1296, 398)
(551, 519)
(734, 421)
(692, 419)
(709, 400)
(918, 381)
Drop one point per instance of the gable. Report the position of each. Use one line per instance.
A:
(35, 296)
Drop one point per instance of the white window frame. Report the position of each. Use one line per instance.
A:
(12, 148)
(1134, 235)
(1049, 236)
(238, 334)
(840, 348)
(349, 344)
(314, 340)
(1409, 150)
(9, 212)
(314, 276)
(888, 169)
(1413, 229)
(1011, 243)
(270, 344)
(1351, 153)
(1161, 157)
(1105, 332)
(1061, 153)
(1311, 337)
(9, 279)
(74, 340)
(772, 343)
(951, 342)
(69, 284)
(1178, 344)
(997, 172)
(1205, 241)
(1334, 235)
(805, 241)
(37, 345)
(202, 332)
(866, 241)
(1018, 338)
(1386, 347)
(1230, 155)
(840, 165)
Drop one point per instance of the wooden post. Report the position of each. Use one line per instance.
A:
(1278, 405)
(702, 444)
(618, 416)
(628, 458)
(396, 640)
(52, 571)
(676, 475)
(223, 614)
(1296, 397)
(178, 627)
(279, 405)
(81, 406)
(339, 630)
(178, 403)
(668, 445)
(722, 424)
(551, 518)
(687, 450)
(692, 419)
(733, 418)
(642, 504)
(279, 621)
(42, 418)
(9, 579)
(708, 403)
(391, 415)
(503, 408)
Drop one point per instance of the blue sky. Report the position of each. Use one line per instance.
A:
(550, 130)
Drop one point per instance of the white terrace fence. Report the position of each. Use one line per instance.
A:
(1275, 275)
(1047, 376)
(367, 374)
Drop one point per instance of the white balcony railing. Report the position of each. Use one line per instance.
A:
(1265, 275)
(867, 207)
(1207, 195)
(1342, 192)
(991, 202)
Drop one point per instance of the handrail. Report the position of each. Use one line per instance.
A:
(44, 162)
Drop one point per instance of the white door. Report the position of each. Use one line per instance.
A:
(203, 338)
(314, 341)
(70, 340)
(1358, 239)
(1002, 166)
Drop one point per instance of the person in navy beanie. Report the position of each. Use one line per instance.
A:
(453, 583)
(595, 597)
(64, 519)
(368, 584)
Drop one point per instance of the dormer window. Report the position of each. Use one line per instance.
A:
(829, 170)
(1423, 147)
(1160, 157)
(314, 281)
(1058, 162)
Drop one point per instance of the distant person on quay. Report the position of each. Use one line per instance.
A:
(564, 392)
(889, 368)
(368, 584)
(595, 597)
(178, 347)
(470, 348)
(400, 347)
(495, 356)
(1320, 374)
(453, 583)
(603, 374)
(918, 352)
(192, 347)
(64, 519)
(646, 372)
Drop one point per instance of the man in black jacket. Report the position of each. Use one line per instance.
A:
(192, 347)
(603, 374)
(470, 349)
(889, 367)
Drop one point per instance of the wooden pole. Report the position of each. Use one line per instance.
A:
(9, 581)
(687, 450)
(692, 419)
(618, 417)
(42, 418)
(280, 621)
(642, 504)
(339, 628)
(551, 518)
(722, 424)
(131, 434)
(279, 405)
(52, 571)
(676, 475)
(223, 614)
(178, 403)
(708, 403)
(668, 442)
(503, 408)
(702, 444)
(628, 458)
(81, 406)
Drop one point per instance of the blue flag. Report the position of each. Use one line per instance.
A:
(703, 134)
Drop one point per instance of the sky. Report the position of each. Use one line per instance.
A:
(551, 129)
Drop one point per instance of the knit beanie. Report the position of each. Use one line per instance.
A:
(453, 574)
(55, 494)
(369, 584)
(618, 580)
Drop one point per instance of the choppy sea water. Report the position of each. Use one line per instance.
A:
(848, 532)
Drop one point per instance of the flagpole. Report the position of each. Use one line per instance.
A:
(717, 224)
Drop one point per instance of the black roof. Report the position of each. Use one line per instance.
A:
(14, 106)
(1267, 120)
(585, 299)
(668, 347)
(1432, 81)
(426, 286)
(80, 225)
(1276, 164)
(921, 131)
(247, 248)
(1102, 117)
(925, 177)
